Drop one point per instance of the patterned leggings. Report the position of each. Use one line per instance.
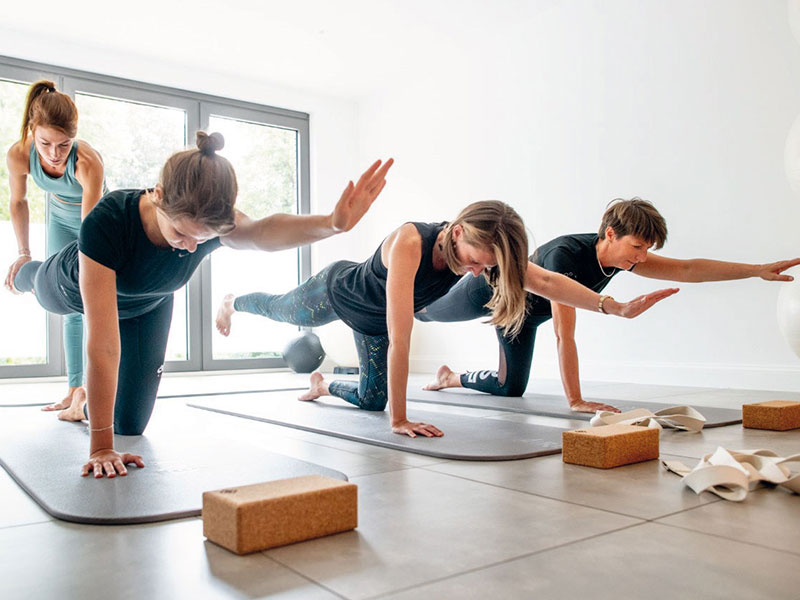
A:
(308, 305)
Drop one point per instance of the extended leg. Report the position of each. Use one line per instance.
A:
(306, 305)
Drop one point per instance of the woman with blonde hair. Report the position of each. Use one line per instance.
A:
(135, 249)
(413, 267)
(71, 172)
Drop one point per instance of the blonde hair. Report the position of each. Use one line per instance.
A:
(200, 185)
(496, 227)
(47, 107)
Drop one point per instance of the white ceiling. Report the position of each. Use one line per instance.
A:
(345, 48)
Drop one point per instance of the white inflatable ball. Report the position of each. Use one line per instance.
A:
(789, 313)
(337, 339)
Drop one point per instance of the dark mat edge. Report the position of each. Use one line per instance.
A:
(434, 454)
(546, 413)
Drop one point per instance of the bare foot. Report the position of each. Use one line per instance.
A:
(318, 388)
(75, 410)
(65, 402)
(224, 315)
(445, 378)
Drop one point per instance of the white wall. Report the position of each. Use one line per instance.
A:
(685, 103)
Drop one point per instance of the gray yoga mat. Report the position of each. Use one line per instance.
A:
(465, 438)
(556, 406)
(185, 453)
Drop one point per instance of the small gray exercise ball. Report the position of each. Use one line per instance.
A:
(304, 353)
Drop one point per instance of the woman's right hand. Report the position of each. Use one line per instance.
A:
(411, 429)
(12, 272)
(632, 309)
(111, 463)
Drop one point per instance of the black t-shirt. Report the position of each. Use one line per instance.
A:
(358, 290)
(112, 235)
(574, 256)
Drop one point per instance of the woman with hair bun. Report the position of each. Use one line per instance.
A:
(71, 171)
(134, 250)
(414, 266)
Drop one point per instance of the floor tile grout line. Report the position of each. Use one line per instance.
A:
(506, 561)
(510, 489)
(18, 525)
(302, 575)
(730, 539)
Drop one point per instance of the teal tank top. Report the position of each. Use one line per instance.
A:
(66, 187)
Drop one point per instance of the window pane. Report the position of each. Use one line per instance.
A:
(265, 159)
(135, 140)
(24, 337)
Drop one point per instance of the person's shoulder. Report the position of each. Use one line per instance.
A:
(115, 206)
(88, 157)
(410, 231)
(570, 243)
(17, 156)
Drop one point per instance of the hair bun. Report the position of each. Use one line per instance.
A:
(209, 144)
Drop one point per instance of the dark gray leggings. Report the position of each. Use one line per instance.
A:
(143, 342)
(466, 301)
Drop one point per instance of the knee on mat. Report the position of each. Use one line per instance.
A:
(376, 402)
(129, 426)
(513, 389)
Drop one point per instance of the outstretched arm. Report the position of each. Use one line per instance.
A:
(560, 288)
(282, 231)
(702, 269)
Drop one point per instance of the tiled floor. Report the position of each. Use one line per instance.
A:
(441, 529)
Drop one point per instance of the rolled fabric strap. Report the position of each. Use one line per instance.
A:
(677, 417)
(732, 474)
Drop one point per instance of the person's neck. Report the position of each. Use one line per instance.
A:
(147, 212)
(603, 258)
(439, 262)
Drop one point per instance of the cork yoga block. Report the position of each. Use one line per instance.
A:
(778, 415)
(609, 446)
(255, 517)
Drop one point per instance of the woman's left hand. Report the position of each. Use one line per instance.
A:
(356, 199)
(637, 306)
(773, 271)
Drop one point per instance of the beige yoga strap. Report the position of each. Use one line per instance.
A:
(731, 474)
(677, 417)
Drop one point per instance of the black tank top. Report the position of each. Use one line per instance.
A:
(358, 290)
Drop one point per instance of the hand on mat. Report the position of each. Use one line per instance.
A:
(772, 271)
(12, 273)
(356, 199)
(411, 429)
(111, 463)
(592, 407)
(637, 306)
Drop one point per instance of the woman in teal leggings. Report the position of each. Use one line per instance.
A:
(71, 172)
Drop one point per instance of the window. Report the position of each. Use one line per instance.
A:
(135, 127)
(265, 159)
